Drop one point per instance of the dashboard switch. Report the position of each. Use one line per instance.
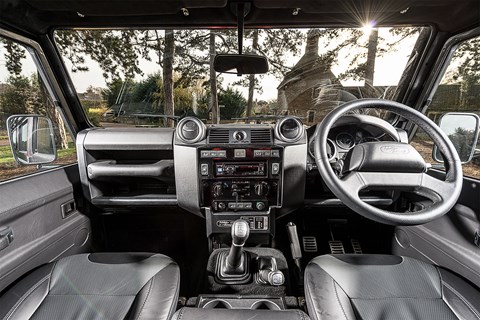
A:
(204, 169)
(260, 206)
(275, 168)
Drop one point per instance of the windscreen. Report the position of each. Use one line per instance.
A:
(151, 78)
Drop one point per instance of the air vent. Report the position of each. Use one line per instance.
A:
(191, 130)
(289, 129)
(261, 136)
(218, 136)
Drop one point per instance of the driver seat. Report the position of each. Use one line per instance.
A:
(350, 287)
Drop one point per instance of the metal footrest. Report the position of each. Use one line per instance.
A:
(336, 247)
(310, 244)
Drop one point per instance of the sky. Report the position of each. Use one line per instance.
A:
(388, 69)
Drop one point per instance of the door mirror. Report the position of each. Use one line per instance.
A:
(32, 139)
(240, 63)
(462, 129)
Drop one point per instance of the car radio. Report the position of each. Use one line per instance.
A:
(240, 180)
(240, 169)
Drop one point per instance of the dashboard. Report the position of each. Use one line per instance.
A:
(220, 172)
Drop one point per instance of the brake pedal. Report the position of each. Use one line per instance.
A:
(357, 249)
(336, 247)
(310, 244)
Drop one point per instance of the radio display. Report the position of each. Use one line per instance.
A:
(241, 169)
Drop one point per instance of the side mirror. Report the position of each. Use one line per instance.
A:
(32, 139)
(240, 63)
(462, 129)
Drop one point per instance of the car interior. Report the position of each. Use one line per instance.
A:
(323, 203)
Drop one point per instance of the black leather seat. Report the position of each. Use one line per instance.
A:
(386, 287)
(96, 286)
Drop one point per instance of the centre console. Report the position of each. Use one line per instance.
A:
(237, 171)
(240, 183)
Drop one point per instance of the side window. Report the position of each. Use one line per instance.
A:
(22, 91)
(459, 91)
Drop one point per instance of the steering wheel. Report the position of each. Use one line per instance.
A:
(390, 165)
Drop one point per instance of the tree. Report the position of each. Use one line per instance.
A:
(276, 45)
(213, 82)
(14, 56)
(234, 103)
(468, 71)
(16, 98)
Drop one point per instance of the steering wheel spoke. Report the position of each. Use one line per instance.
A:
(444, 189)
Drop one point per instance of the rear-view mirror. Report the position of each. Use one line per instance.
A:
(32, 139)
(240, 64)
(462, 129)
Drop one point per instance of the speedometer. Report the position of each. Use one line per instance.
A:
(331, 150)
(345, 140)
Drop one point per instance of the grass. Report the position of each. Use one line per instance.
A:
(6, 157)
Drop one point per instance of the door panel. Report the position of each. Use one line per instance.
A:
(31, 207)
(448, 241)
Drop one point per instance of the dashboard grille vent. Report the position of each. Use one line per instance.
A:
(218, 136)
(261, 136)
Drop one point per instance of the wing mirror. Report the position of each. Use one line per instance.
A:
(32, 139)
(462, 129)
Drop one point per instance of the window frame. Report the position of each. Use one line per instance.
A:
(53, 88)
(439, 69)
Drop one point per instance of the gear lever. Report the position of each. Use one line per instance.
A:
(240, 233)
(232, 267)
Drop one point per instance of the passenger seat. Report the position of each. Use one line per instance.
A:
(96, 286)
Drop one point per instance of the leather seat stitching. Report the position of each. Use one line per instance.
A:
(180, 316)
(146, 298)
(455, 292)
(25, 296)
(338, 299)
(441, 280)
(308, 297)
(173, 308)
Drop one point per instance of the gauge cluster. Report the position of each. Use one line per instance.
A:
(343, 138)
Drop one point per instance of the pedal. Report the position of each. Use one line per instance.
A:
(336, 247)
(310, 244)
(357, 249)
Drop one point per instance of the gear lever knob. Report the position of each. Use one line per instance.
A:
(240, 232)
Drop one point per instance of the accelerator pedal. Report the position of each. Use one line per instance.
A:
(357, 249)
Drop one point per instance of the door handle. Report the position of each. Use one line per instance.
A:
(6, 237)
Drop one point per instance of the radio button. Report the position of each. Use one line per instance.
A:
(205, 154)
(276, 153)
(257, 153)
(247, 205)
(240, 153)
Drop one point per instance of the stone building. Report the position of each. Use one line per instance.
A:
(305, 88)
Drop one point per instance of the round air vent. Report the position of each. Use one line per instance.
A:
(191, 130)
(289, 129)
